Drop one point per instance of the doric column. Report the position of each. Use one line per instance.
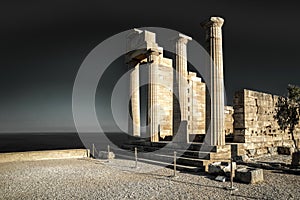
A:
(181, 72)
(214, 46)
(135, 101)
(152, 100)
(134, 89)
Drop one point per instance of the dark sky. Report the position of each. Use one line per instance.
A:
(43, 44)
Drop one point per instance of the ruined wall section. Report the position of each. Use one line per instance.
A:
(195, 105)
(254, 124)
(163, 99)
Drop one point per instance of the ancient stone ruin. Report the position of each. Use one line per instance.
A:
(176, 100)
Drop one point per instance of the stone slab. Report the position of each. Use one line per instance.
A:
(44, 155)
(249, 175)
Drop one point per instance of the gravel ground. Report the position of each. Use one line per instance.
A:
(118, 179)
(285, 159)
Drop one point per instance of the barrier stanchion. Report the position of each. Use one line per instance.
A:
(231, 188)
(93, 150)
(136, 159)
(175, 174)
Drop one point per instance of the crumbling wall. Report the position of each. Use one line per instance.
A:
(255, 126)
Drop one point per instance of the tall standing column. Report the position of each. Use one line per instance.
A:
(181, 73)
(131, 46)
(214, 46)
(135, 101)
(153, 116)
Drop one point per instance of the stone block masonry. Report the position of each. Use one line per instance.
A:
(254, 124)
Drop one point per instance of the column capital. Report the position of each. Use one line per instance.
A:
(213, 21)
(183, 38)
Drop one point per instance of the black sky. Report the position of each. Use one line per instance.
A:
(43, 44)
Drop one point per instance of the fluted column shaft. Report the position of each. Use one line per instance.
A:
(181, 75)
(135, 101)
(153, 99)
(213, 29)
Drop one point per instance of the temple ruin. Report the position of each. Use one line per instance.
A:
(176, 96)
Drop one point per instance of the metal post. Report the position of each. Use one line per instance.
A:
(93, 150)
(231, 173)
(231, 188)
(108, 150)
(174, 164)
(135, 154)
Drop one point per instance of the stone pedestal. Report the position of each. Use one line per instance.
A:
(214, 46)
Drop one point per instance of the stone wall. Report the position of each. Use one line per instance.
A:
(254, 125)
(160, 98)
(196, 105)
(164, 84)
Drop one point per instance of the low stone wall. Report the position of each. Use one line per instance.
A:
(255, 126)
(44, 155)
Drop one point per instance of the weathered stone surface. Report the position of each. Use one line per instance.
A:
(254, 123)
(249, 175)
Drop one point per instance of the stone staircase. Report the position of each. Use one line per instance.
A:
(189, 156)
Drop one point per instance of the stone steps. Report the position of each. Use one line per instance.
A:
(187, 154)
(184, 153)
(161, 160)
(165, 164)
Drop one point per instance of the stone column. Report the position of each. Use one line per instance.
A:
(214, 47)
(181, 73)
(132, 43)
(153, 99)
(135, 101)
